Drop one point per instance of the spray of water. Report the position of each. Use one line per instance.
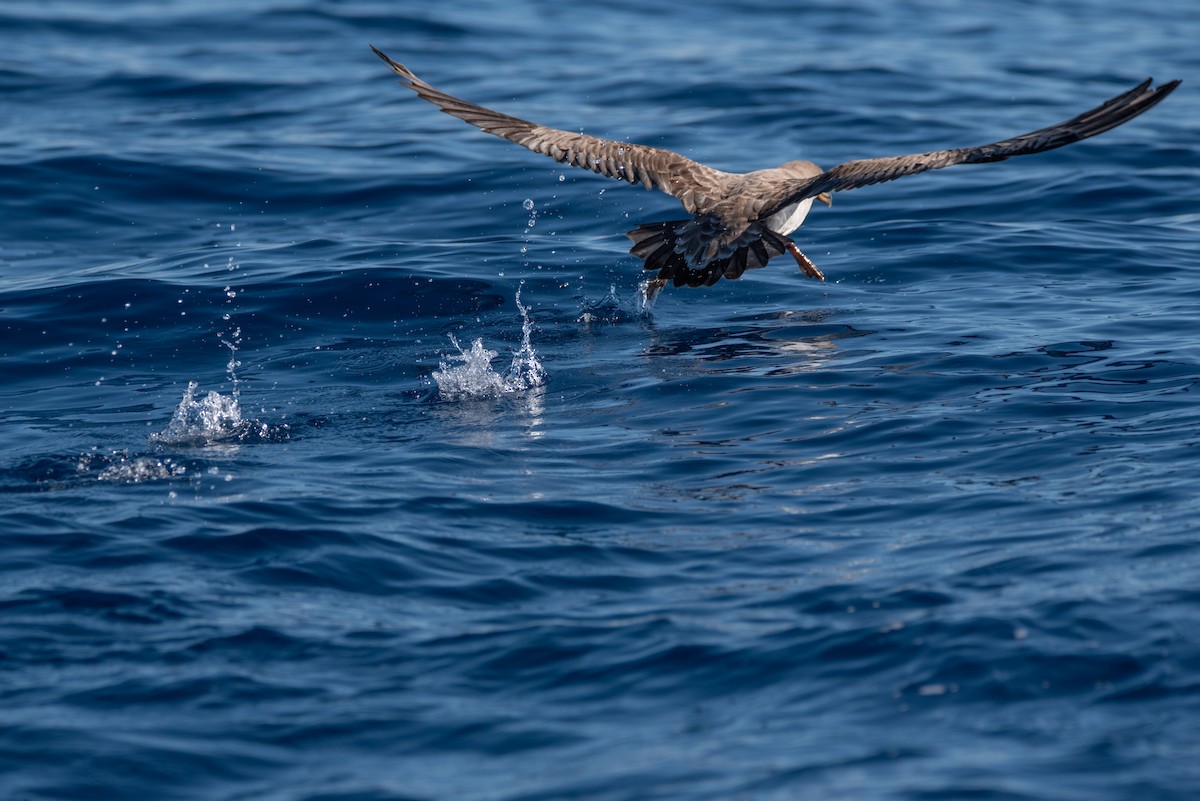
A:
(216, 417)
(212, 418)
(611, 309)
(647, 293)
(473, 376)
(234, 340)
(124, 468)
(532, 221)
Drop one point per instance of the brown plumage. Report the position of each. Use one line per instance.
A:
(740, 221)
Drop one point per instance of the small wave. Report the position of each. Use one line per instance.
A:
(214, 418)
(474, 377)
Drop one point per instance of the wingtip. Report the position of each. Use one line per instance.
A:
(1163, 89)
(1168, 87)
(1153, 96)
(396, 67)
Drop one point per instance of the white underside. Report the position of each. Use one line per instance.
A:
(789, 218)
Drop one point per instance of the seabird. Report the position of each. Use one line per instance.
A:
(740, 221)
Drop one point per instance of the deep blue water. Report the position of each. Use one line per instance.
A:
(924, 531)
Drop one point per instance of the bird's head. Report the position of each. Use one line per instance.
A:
(806, 169)
(801, 169)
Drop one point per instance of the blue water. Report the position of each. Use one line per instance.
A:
(925, 531)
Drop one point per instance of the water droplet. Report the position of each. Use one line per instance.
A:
(528, 204)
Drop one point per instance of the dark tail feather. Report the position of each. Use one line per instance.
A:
(656, 243)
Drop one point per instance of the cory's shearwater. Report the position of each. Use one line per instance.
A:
(740, 221)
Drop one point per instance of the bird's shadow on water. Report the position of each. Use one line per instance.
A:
(805, 333)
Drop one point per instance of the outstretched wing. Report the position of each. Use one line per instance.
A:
(694, 184)
(852, 174)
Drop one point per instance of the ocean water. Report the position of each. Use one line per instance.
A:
(341, 457)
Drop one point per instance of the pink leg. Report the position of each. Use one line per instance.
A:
(807, 266)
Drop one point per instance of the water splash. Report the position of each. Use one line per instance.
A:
(529, 207)
(211, 419)
(215, 417)
(526, 369)
(648, 289)
(233, 342)
(611, 309)
(474, 377)
(127, 469)
(232, 338)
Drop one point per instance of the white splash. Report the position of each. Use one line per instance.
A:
(217, 418)
(136, 469)
(213, 418)
(474, 377)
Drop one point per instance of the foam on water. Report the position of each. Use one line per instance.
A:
(474, 377)
(127, 469)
